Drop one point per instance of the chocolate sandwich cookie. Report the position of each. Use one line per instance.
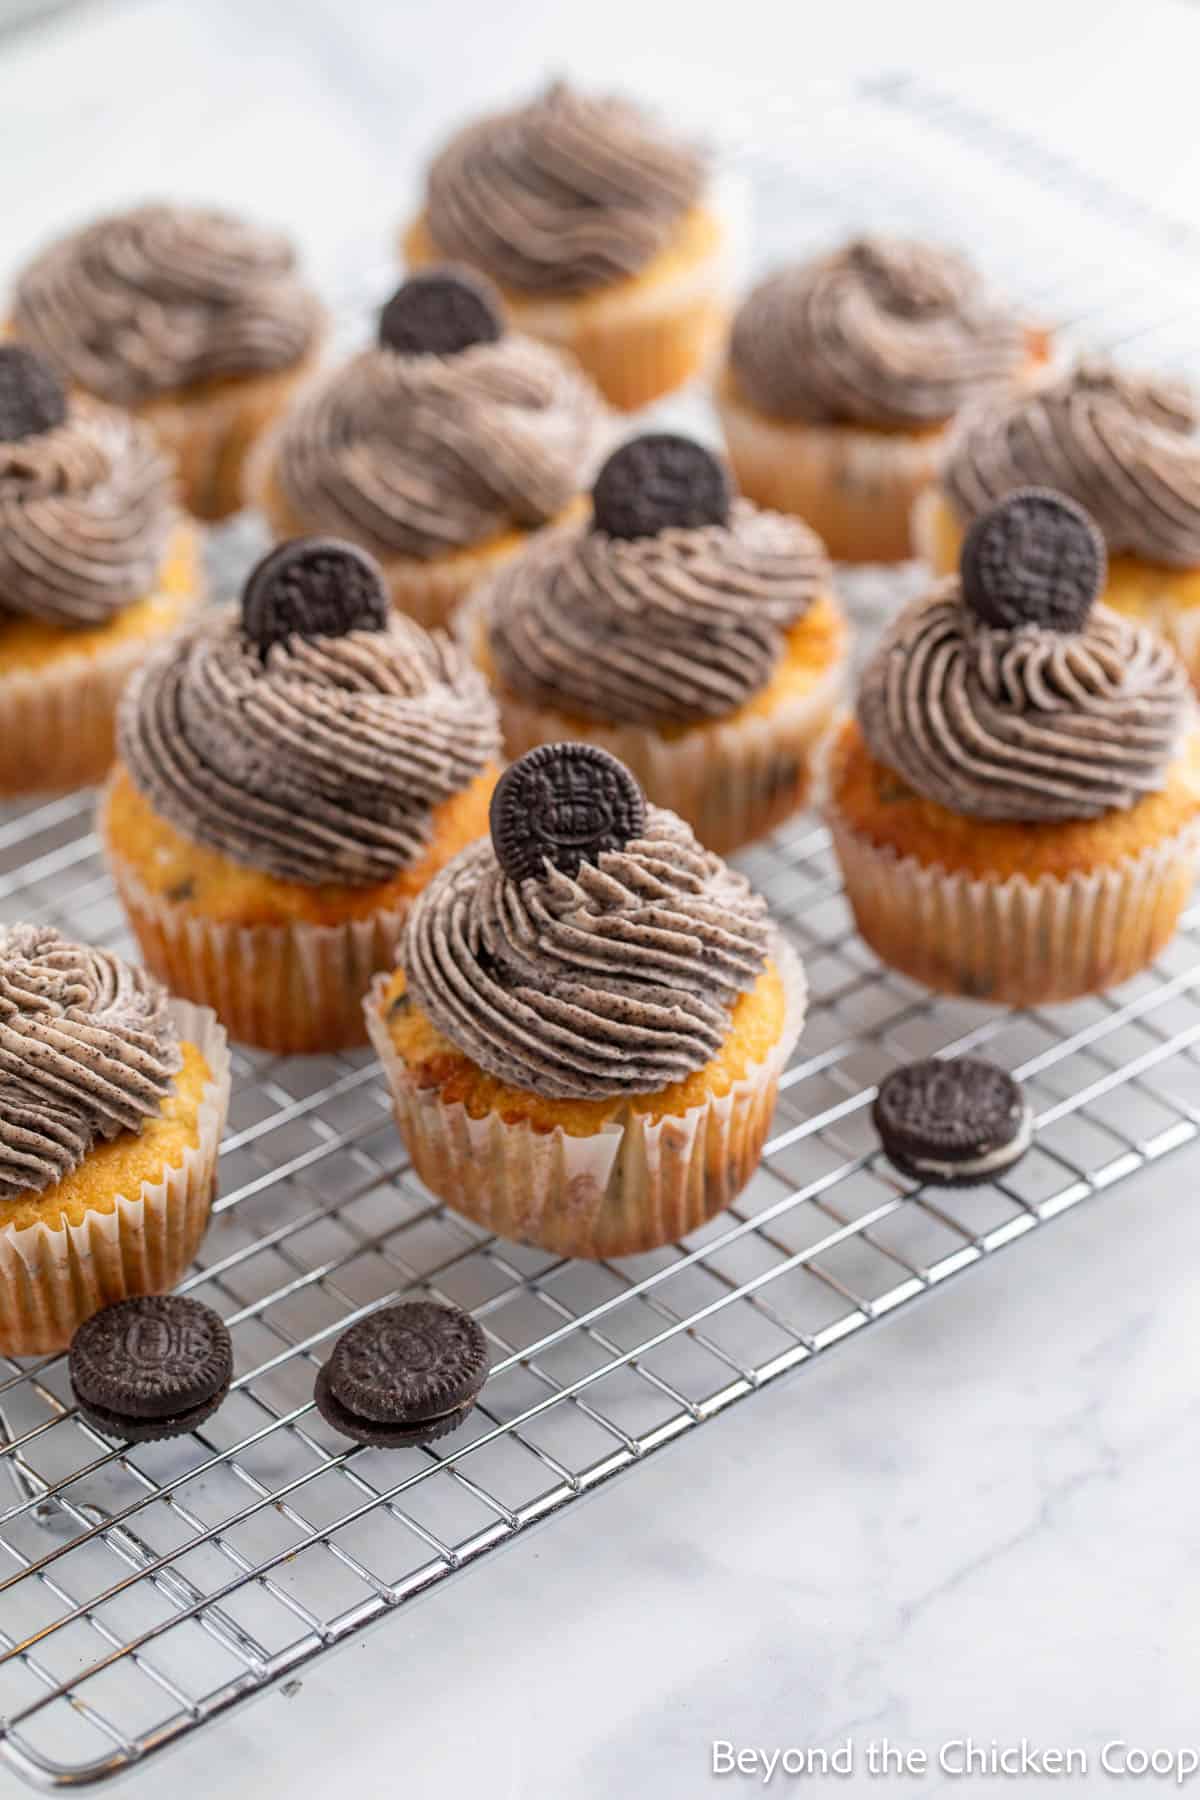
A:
(441, 312)
(152, 1367)
(406, 1375)
(313, 587)
(1035, 558)
(566, 804)
(32, 398)
(659, 482)
(952, 1122)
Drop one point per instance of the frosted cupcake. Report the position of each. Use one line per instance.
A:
(112, 1104)
(440, 448)
(599, 229)
(289, 776)
(96, 566)
(843, 375)
(590, 1017)
(685, 631)
(194, 320)
(1127, 448)
(1016, 806)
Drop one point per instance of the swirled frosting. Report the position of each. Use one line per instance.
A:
(320, 761)
(560, 196)
(86, 511)
(148, 301)
(620, 980)
(882, 332)
(1127, 448)
(676, 628)
(417, 455)
(87, 1050)
(1025, 724)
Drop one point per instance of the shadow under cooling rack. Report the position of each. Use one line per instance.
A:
(144, 1591)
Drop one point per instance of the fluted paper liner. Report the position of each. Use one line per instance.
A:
(733, 780)
(54, 1277)
(1014, 941)
(294, 988)
(631, 1186)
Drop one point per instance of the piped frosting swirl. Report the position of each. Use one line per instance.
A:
(1024, 724)
(565, 194)
(318, 761)
(619, 980)
(881, 332)
(86, 512)
(1126, 447)
(420, 455)
(676, 628)
(148, 301)
(87, 1050)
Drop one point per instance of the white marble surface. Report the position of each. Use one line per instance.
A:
(976, 1518)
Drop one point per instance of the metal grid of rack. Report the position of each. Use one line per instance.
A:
(144, 1591)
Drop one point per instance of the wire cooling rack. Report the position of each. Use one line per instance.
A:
(145, 1591)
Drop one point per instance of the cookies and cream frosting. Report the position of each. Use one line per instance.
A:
(318, 761)
(1024, 724)
(565, 194)
(882, 332)
(87, 1050)
(148, 301)
(676, 628)
(86, 513)
(421, 455)
(618, 980)
(1126, 447)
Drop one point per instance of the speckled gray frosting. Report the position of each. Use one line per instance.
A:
(321, 761)
(619, 980)
(87, 1050)
(1025, 724)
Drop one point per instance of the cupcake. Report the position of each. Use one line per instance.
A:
(438, 449)
(1016, 805)
(599, 230)
(195, 321)
(112, 1104)
(95, 566)
(691, 635)
(288, 777)
(591, 1013)
(843, 375)
(1124, 446)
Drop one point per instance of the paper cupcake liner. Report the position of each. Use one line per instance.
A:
(54, 1277)
(733, 780)
(58, 722)
(210, 430)
(631, 1186)
(1013, 941)
(855, 487)
(294, 988)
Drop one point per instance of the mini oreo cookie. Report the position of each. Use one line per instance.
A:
(1035, 558)
(32, 398)
(440, 312)
(313, 587)
(659, 481)
(152, 1367)
(565, 802)
(954, 1121)
(406, 1375)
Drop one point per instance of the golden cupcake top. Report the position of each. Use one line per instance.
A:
(1009, 693)
(590, 947)
(883, 331)
(86, 500)
(447, 432)
(1125, 446)
(670, 606)
(87, 1051)
(312, 733)
(564, 194)
(151, 300)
